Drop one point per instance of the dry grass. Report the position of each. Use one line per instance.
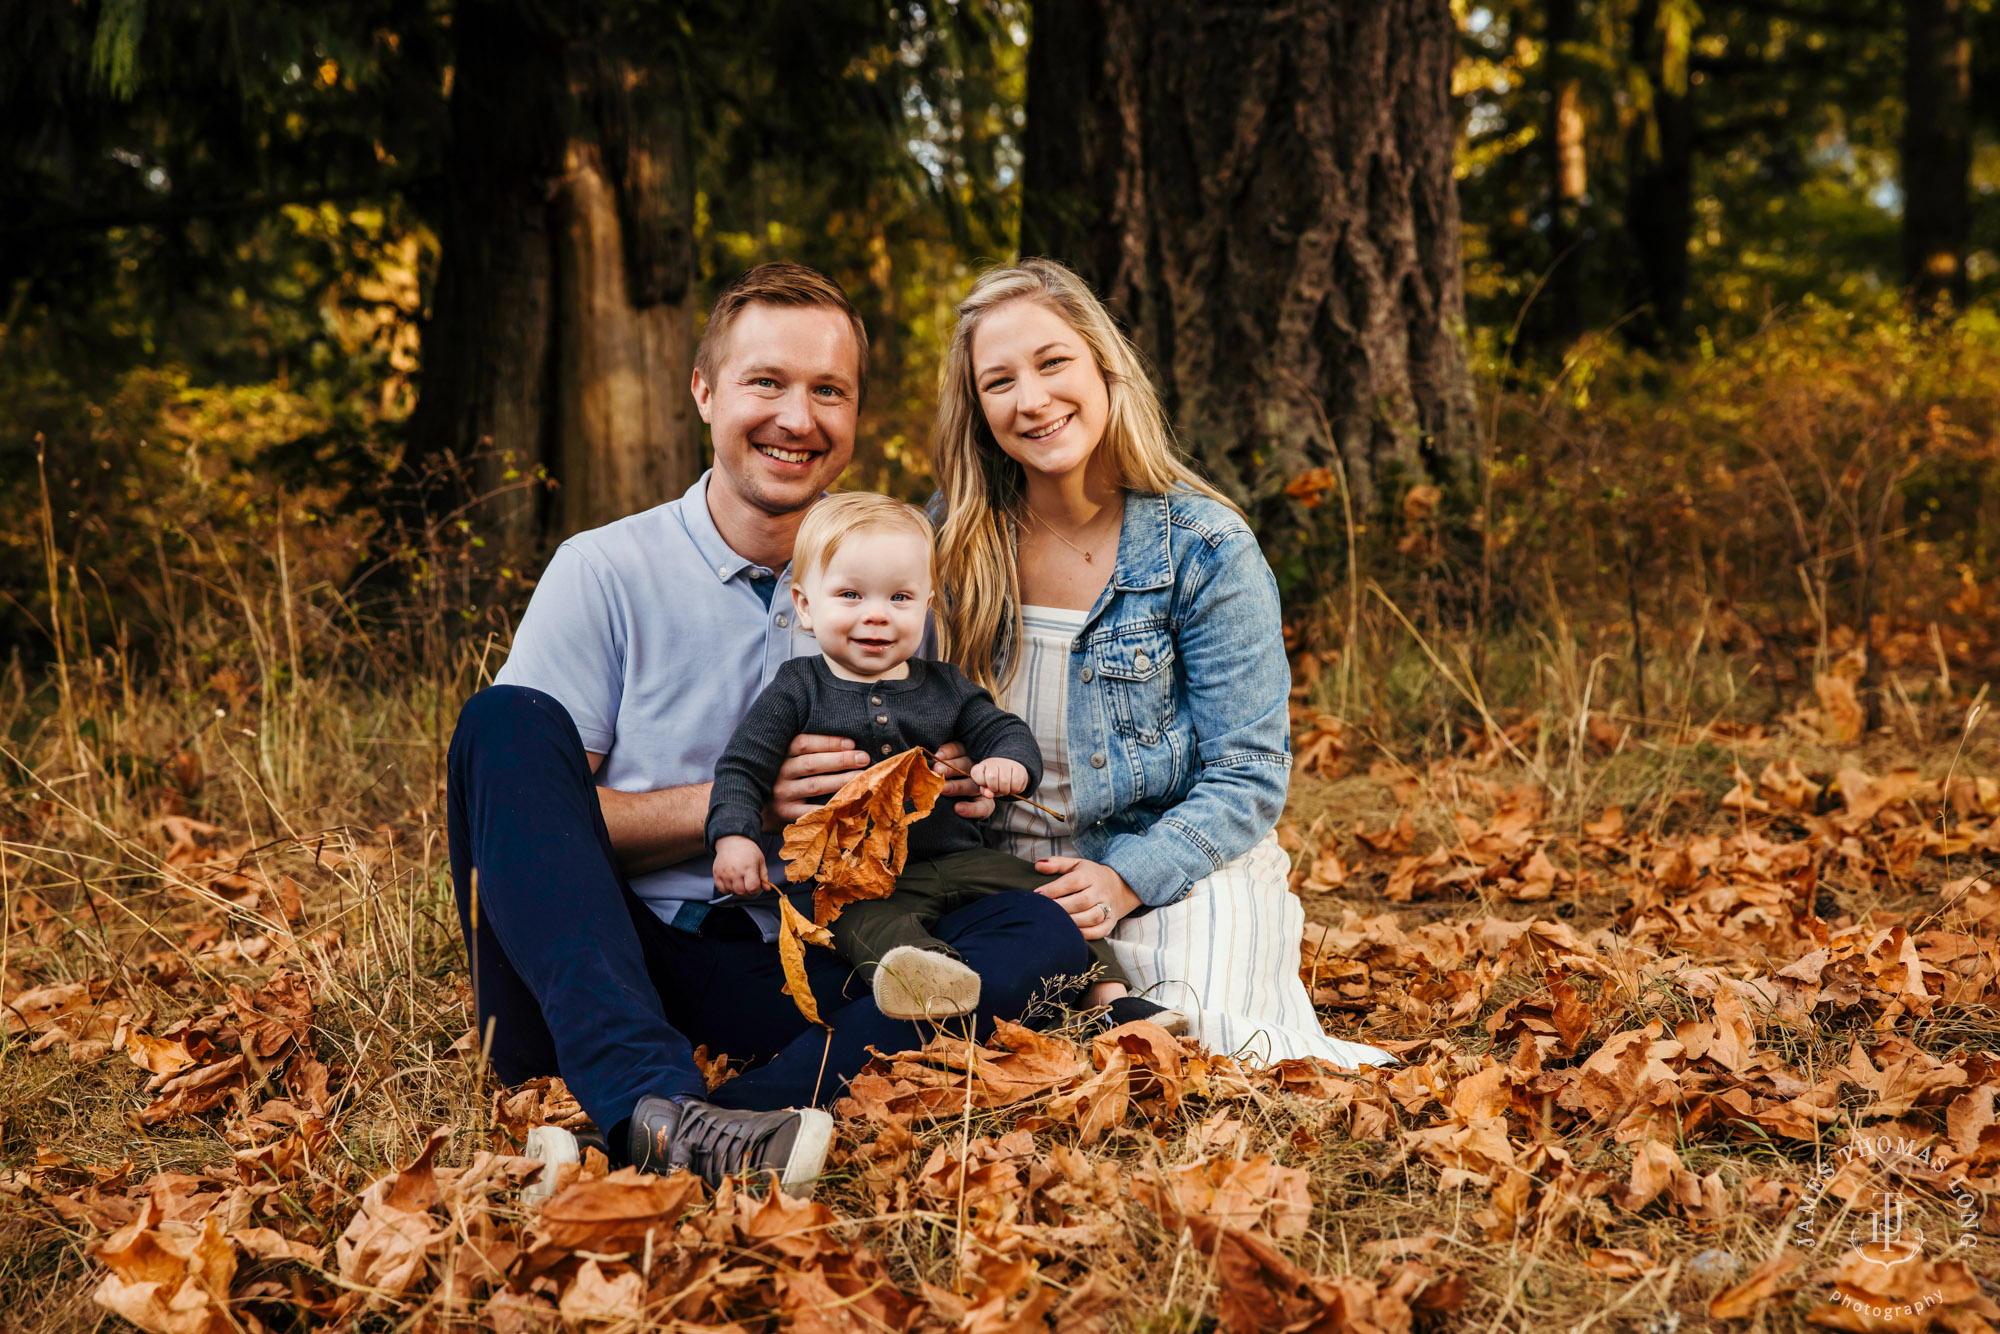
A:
(316, 751)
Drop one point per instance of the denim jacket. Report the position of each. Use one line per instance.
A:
(1179, 735)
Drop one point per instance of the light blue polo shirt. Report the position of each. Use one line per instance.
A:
(651, 633)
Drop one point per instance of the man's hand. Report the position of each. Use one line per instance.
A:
(740, 868)
(1001, 777)
(972, 802)
(815, 766)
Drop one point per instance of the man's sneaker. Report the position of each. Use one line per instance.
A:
(716, 1142)
(913, 983)
(1129, 1009)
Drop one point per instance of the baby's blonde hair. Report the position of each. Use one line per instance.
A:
(835, 519)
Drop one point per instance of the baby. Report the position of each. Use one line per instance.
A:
(861, 582)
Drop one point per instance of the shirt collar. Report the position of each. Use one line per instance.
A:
(722, 560)
(1145, 544)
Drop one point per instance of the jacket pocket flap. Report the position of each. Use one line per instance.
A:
(1136, 657)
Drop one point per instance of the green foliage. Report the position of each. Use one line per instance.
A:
(1797, 117)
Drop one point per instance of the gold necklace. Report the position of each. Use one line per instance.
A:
(1087, 555)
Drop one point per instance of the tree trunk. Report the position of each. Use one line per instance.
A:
(1265, 195)
(1937, 149)
(628, 439)
(1568, 176)
(1659, 206)
(485, 386)
(562, 332)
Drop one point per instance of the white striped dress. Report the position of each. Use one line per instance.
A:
(1227, 955)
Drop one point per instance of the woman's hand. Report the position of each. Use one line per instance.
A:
(1094, 895)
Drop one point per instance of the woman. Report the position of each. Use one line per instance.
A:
(1120, 604)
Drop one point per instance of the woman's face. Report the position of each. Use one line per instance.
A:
(1040, 388)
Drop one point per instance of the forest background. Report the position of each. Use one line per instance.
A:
(1615, 388)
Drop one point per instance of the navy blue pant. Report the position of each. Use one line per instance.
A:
(579, 978)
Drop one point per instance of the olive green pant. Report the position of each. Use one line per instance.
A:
(926, 891)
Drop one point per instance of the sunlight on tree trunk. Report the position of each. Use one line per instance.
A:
(626, 428)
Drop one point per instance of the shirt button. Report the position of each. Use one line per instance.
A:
(783, 620)
(1097, 760)
(882, 718)
(1087, 675)
(886, 748)
(722, 571)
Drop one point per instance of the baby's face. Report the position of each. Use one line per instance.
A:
(866, 606)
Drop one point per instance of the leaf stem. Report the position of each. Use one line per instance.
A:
(936, 759)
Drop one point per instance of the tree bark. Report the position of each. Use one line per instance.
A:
(627, 438)
(1659, 205)
(561, 334)
(1937, 149)
(1264, 194)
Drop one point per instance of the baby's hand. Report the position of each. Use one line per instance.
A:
(740, 868)
(1003, 778)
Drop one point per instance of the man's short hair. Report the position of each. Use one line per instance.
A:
(836, 518)
(777, 284)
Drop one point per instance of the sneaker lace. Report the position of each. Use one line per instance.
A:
(718, 1145)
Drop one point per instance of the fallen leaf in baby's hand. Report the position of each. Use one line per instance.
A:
(855, 845)
(794, 931)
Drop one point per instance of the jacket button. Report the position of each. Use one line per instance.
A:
(1140, 662)
(1076, 647)
(1087, 675)
(1097, 760)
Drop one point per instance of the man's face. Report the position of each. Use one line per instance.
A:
(783, 404)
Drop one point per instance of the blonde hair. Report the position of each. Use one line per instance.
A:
(836, 518)
(979, 584)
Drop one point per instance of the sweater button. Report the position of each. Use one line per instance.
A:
(886, 748)
(1087, 674)
(882, 718)
(874, 699)
(1097, 760)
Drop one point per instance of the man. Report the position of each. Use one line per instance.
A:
(579, 786)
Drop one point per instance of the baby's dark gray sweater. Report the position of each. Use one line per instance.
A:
(933, 705)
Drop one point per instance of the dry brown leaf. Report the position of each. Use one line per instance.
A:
(1766, 1281)
(616, 1212)
(794, 931)
(1229, 1194)
(160, 1056)
(856, 844)
(593, 1299)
